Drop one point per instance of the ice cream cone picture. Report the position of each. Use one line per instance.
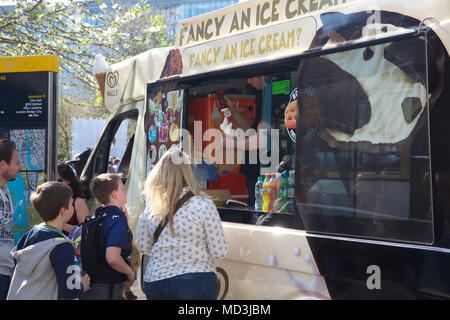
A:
(154, 103)
(162, 150)
(163, 133)
(174, 99)
(101, 67)
(152, 153)
(152, 133)
(158, 118)
(101, 83)
(171, 115)
(174, 132)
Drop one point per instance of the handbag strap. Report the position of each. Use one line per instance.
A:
(163, 223)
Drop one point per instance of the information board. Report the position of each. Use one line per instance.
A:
(28, 118)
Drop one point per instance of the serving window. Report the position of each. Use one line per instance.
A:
(232, 151)
(363, 143)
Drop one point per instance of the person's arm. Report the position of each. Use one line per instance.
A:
(241, 121)
(255, 141)
(145, 239)
(68, 276)
(215, 238)
(116, 241)
(81, 209)
(115, 261)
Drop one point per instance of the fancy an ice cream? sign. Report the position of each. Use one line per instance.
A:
(247, 16)
(281, 40)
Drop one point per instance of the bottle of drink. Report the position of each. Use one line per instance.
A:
(265, 193)
(278, 184)
(291, 184)
(258, 194)
(283, 195)
(272, 191)
(284, 186)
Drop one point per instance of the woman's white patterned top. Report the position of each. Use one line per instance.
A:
(198, 240)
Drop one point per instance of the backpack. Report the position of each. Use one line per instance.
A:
(88, 237)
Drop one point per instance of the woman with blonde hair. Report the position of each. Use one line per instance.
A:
(181, 264)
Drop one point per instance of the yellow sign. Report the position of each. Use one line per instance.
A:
(247, 16)
(29, 64)
(277, 41)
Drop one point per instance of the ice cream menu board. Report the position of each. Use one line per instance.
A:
(28, 118)
(163, 122)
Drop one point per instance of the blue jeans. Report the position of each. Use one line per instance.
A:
(189, 286)
(4, 286)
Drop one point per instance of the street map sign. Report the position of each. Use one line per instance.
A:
(28, 118)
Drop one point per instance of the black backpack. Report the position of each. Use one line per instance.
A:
(89, 245)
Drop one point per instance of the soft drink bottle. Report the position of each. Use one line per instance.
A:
(272, 191)
(284, 186)
(265, 193)
(278, 184)
(258, 194)
(283, 195)
(291, 183)
(276, 192)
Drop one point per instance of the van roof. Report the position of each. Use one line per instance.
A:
(256, 31)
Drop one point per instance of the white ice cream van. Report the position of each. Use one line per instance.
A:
(353, 111)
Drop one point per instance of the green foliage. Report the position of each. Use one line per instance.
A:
(70, 30)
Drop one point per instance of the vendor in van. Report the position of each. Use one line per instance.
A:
(251, 171)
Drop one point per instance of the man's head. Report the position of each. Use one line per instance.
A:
(9, 162)
(108, 188)
(256, 82)
(53, 199)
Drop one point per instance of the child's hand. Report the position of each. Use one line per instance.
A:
(130, 277)
(86, 281)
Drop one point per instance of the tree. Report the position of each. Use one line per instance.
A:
(74, 107)
(74, 30)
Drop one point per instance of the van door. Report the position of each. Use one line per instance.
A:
(163, 125)
(114, 148)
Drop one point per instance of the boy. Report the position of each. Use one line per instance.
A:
(115, 241)
(44, 257)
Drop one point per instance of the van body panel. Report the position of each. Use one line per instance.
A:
(255, 257)
(269, 262)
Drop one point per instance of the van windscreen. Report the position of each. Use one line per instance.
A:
(365, 161)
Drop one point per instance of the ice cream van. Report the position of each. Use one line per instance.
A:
(341, 105)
